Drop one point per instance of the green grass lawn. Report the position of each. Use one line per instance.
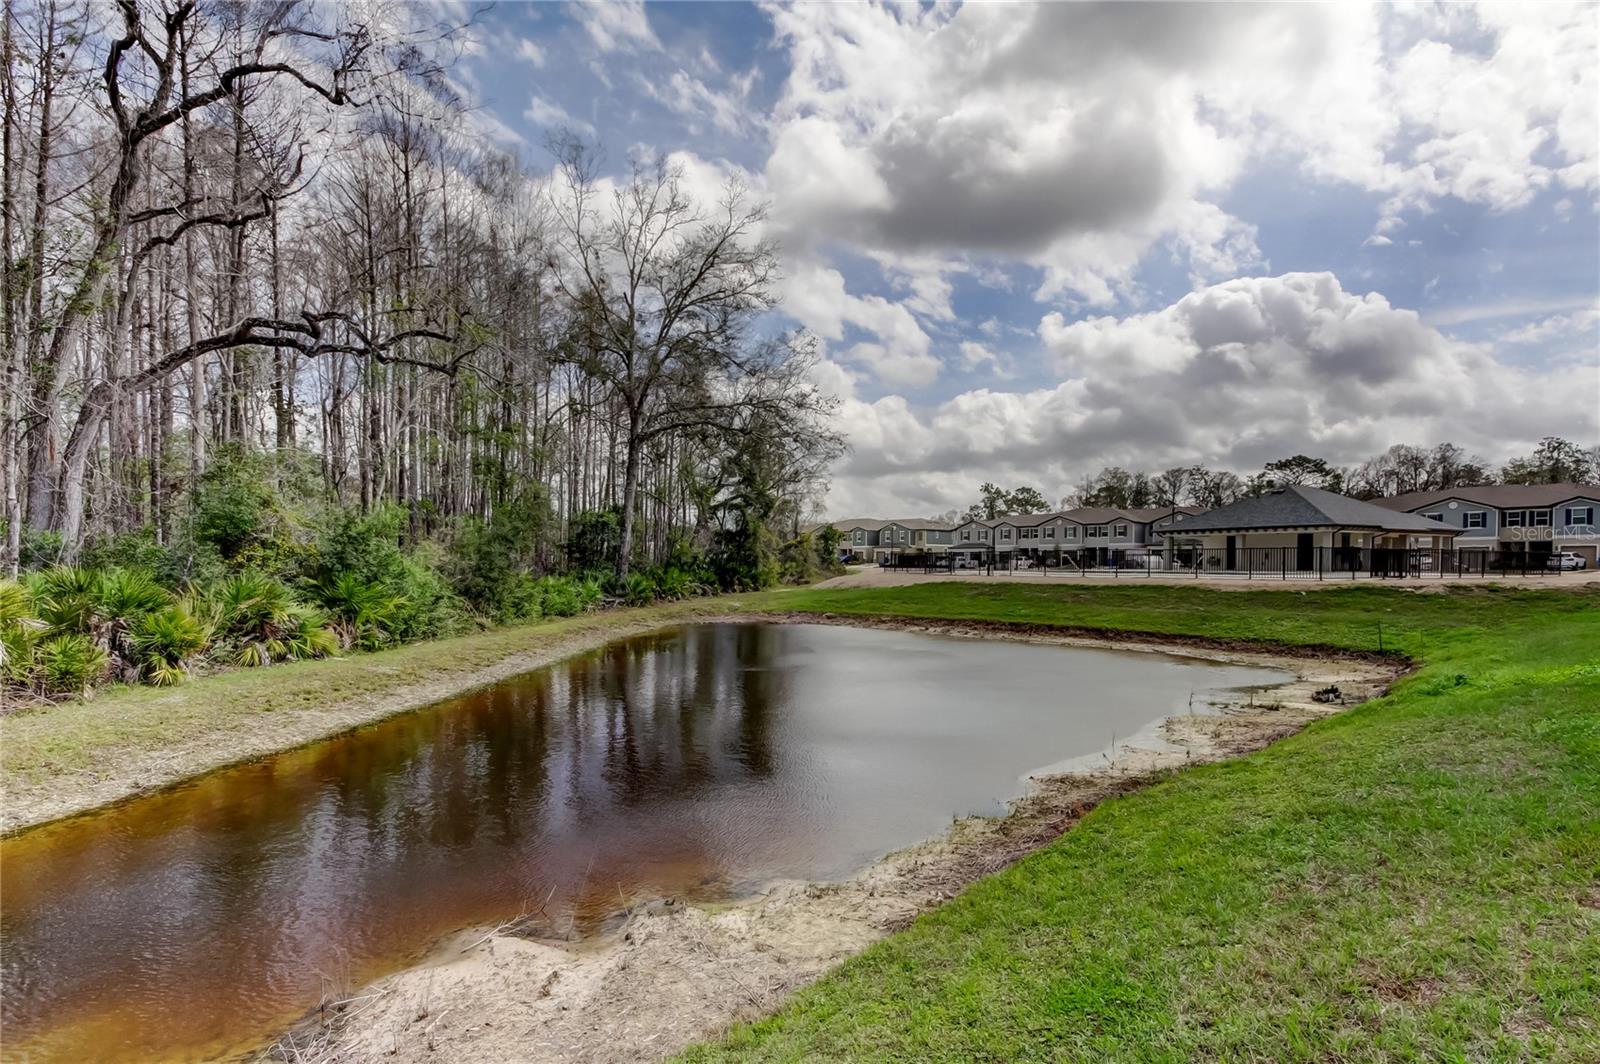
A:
(1415, 879)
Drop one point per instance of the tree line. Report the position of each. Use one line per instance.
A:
(1399, 470)
(262, 238)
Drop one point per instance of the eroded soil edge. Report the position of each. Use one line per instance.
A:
(677, 973)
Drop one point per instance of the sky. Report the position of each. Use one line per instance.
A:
(1036, 241)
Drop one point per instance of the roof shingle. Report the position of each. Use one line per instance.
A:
(1299, 506)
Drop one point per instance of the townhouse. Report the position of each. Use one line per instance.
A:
(870, 539)
(1515, 518)
(1088, 536)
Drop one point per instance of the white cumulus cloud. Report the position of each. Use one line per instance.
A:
(1231, 375)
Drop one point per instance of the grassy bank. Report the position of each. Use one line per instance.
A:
(1418, 878)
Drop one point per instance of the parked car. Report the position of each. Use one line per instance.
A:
(1566, 561)
(1023, 563)
(965, 561)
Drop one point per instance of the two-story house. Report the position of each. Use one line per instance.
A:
(914, 535)
(1537, 518)
(868, 539)
(1087, 536)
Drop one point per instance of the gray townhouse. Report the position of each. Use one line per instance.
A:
(869, 539)
(1515, 518)
(1088, 536)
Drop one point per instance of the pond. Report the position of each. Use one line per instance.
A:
(702, 762)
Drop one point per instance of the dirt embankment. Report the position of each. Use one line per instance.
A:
(676, 973)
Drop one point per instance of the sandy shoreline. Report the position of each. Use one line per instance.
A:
(676, 973)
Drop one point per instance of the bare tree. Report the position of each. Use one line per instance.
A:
(666, 292)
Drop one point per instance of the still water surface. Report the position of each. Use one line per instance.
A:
(703, 762)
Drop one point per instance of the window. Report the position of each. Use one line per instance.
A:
(1050, 533)
(1434, 517)
(1476, 519)
(1120, 531)
(1541, 518)
(983, 533)
(966, 535)
(1097, 532)
(1580, 515)
(1070, 532)
(902, 535)
(1005, 533)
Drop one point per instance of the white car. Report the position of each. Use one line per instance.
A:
(1566, 561)
(966, 561)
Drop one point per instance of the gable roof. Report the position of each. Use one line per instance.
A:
(1500, 496)
(1087, 515)
(1299, 506)
(849, 524)
(875, 524)
(919, 524)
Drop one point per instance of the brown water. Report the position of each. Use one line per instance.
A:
(702, 762)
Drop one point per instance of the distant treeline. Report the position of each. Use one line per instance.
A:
(1401, 469)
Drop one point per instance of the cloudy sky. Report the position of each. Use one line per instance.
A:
(1037, 241)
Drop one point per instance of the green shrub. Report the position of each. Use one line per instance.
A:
(40, 549)
(67, 664)
(742, 557)
(249, 507)
(638, 589)
(488, 555)
(594, 539)
(169, 565)
(65, 598)
(568, 596)
(259, 622)
(163, 641)
(308, 635)
(673, 583)
(18, 630)
(523, 599)
(559, 596)
(364, 614)
(367, 546)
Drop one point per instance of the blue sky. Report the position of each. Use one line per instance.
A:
(1037, 241)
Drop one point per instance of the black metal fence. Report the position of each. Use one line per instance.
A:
(1258, 563)
(1333, 563)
